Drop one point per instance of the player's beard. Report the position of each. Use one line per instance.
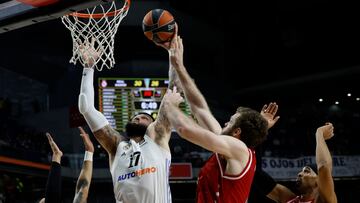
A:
(135, 129)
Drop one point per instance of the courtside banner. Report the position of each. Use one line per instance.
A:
(181, 171)
(284, 168)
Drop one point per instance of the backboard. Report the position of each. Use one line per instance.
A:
(16, 14)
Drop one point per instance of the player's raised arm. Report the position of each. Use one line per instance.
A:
(189, 130)
(53, 185)
(104, 133)
(324, 164)
(196, 100)
(160, 130)
(84, 180)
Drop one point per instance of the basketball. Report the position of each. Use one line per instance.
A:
(159, 25)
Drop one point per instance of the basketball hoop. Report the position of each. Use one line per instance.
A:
(96, 26)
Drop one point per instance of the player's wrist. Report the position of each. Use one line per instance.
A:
(56, 158)
(89, 65)
(88, 156)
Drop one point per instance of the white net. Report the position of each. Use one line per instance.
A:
(95, 27)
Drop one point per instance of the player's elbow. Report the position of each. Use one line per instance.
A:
(324, 164)
(181, 129)
(324, 167)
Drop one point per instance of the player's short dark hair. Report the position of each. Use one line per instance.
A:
(144, 113)
(254, 127)
(313, 167)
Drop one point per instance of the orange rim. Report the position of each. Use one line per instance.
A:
(100, 15)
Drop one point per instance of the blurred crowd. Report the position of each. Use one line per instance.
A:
(292, 137)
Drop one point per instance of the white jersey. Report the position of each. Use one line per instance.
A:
(140, 172)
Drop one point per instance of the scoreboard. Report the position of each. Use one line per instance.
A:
(122, 98)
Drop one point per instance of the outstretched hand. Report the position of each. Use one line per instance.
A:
(268, 112)
(173, 97)
(327, 130)
(86, 139)
(57, 153)
(89, 54)
(177, 52)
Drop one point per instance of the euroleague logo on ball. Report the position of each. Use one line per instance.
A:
(159, 25)
(171, 27)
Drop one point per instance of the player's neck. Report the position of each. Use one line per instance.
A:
(309, 195)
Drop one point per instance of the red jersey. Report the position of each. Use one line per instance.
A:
(215, 186)
(297, 200)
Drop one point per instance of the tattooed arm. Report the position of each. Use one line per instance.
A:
(109, 140)
(83, 183)
(84, 180)
(160, 130)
